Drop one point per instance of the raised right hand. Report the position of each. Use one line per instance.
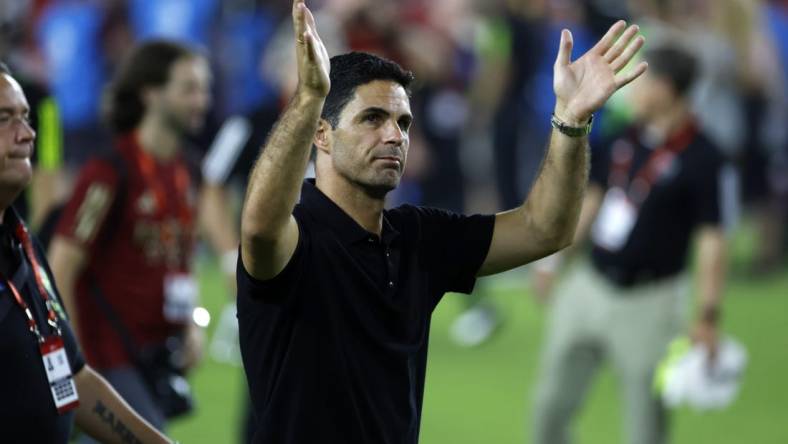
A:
(311, 54)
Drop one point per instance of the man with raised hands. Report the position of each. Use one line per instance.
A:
(335, 293)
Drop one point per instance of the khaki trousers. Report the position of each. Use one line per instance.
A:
(592, 320)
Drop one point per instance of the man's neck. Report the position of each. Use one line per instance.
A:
(366, 210)
(156, 138)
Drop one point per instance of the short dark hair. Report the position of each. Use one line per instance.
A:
(675, 64)
(351, 70)
(148, 65)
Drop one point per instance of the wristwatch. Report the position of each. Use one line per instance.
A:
(571, 131)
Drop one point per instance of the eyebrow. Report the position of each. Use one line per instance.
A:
(378, 110)
(10, 110)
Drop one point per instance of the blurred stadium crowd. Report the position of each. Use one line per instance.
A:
(483, 67)
(482, 101)
(484, 91)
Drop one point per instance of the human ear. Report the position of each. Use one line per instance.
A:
(322, 138)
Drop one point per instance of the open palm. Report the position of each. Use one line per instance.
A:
(311, 54)
(583, 86)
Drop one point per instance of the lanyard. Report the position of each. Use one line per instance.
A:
(147, 166)
(23, 236)
(644, 179)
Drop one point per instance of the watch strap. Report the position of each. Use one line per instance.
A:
(571, 131)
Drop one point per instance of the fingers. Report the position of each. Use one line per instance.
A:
(604, 44)
(304, 23)
(309, 18)
(311, 45)
(565, 48)
(621, 43)
(298, 19)
(312, 58)
(622, 60)
(624, 79)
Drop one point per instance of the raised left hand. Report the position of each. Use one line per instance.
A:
(583, 86)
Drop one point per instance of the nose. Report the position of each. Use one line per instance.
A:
(201, 99)
(25, 133)
(394, 134)
(204, 101)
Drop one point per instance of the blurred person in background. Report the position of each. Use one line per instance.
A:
(70, 36)
(653, 188)
(124, 245)
(217, 152)
(437, 41)
(440, 52)
(520, 124)
(765, 159)
(741, 100)
(46, 384)
(719, 33)
(335, 293)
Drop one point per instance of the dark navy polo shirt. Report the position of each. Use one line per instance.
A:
(335, 346)
(27, 410)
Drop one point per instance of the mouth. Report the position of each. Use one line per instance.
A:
(20, 153)
(390, 160)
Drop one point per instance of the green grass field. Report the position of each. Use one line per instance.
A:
(483, 395)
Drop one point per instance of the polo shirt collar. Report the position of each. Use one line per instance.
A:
(328, 212)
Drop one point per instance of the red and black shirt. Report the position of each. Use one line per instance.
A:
(137, 228)
(682, 182)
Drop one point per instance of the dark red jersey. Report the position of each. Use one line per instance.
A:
(137, 227)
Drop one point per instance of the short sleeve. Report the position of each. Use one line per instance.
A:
(281, 288)
(454, 246)
(707, 190)
(85, 214)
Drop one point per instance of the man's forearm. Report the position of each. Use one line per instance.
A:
(588, 211)
(216, 218)
(275, 181)
(67, 261)
(711, 271)
(554, 203)
(105, 416)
